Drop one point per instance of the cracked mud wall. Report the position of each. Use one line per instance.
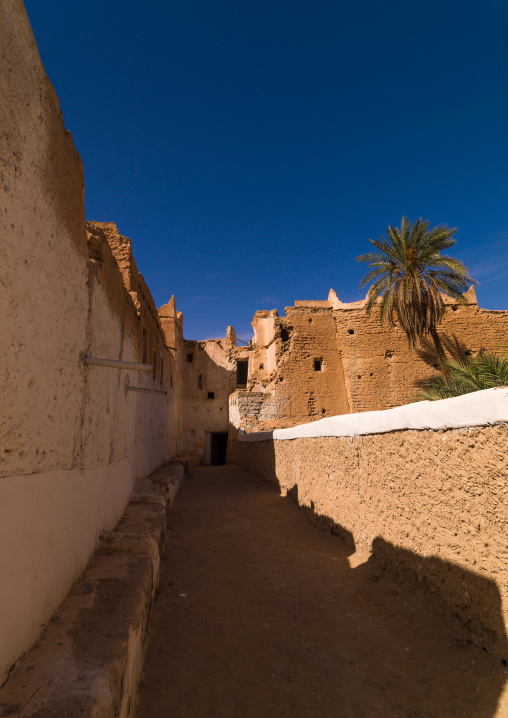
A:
(326, 358)
(295, 370)
(310, 378)
(430, 507)
(72, 438)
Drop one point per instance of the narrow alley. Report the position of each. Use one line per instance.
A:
(259, 614)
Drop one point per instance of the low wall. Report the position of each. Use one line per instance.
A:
(426, 500)
(89, 658)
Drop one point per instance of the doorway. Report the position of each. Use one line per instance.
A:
(216, 444)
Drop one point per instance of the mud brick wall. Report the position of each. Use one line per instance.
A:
(430, 507)
(382, 371)
(73, 437)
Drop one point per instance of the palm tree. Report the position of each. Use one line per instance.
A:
(409, 273)
(465, 376)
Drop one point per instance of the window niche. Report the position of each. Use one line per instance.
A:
(318, 365)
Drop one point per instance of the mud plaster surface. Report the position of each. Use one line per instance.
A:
(259, 614)
(430, 505)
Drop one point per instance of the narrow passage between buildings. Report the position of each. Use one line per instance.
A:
(259, 614)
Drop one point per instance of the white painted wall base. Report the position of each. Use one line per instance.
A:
(49, 526)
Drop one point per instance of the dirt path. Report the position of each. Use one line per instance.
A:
(260, 615)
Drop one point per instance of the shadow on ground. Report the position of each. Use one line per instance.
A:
(259, 614)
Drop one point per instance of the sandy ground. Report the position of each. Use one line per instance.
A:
(259, 614)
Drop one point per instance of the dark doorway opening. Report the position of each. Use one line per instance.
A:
(218, 448)
(242, 372)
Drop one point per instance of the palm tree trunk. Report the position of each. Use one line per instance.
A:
(440, 352)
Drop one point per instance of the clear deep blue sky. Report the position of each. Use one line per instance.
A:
(250, 147)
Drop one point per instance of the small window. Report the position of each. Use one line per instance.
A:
(200, 381)
(190, 357)
(284, 334)
(350, 331)
(242, 372)
(145, 347)
(318, 364)
(261, 366)
(211, 395)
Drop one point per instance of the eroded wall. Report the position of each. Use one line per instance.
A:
(431, 507)
(209, 376)
(325, 358)
(73, 437)
(380, 368)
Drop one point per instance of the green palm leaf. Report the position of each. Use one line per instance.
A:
(410, 274)
(463, 377)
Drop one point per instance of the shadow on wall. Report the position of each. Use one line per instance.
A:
(445, 587)
(416, 610)
(450, 590)
(454, 347)
(206, 388)
(325, 523)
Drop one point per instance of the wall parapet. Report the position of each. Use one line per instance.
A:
(481, 408)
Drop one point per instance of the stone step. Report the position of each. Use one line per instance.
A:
(88, 660)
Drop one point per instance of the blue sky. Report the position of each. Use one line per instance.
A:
(250, 147)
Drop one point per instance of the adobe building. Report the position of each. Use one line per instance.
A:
(99, 387)
(325, 358)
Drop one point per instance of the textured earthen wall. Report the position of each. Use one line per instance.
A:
(211, 371)
(382, 371)
(72, 437)
(171, 323)
(296, 371)
(304, 390)
(429, 506)
(365, 366)
(43, 260)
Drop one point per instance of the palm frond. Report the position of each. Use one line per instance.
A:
(410, 274)
(465, 376)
